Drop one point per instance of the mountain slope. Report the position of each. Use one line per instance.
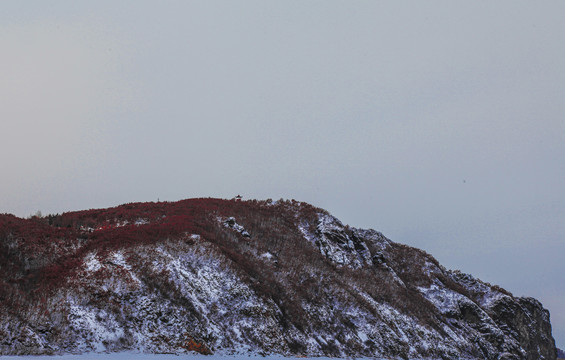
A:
(225, 276)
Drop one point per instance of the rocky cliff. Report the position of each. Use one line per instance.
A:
(228, 276)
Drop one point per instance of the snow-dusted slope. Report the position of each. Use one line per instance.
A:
(219, 276)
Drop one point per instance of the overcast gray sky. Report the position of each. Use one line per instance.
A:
(439, 123)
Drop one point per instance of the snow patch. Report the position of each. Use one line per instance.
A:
(101, 326)
(445, 300)
(119, 260)
(231, 223)
(339, 245)
(91, 263)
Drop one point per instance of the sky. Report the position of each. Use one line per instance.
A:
(439, 123)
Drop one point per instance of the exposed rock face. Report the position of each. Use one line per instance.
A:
(219, 276)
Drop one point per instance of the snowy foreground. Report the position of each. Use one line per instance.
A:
(134, 356)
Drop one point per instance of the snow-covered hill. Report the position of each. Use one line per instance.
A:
(239, 277)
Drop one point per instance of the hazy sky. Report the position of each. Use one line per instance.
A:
(439, 123)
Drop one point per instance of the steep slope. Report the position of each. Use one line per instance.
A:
(225, 276)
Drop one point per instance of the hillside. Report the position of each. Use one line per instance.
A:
(228, 276)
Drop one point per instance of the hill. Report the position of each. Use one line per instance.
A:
(229, 276)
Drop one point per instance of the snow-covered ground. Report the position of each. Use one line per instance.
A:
(134, 356)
